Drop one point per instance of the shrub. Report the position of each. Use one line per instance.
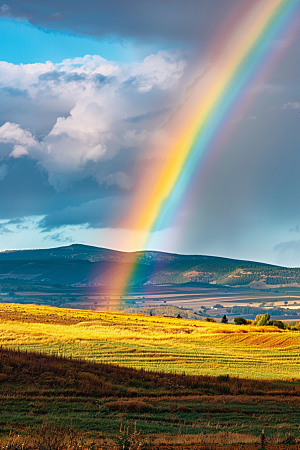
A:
(240, 321)
(209, 319)
(277, 323)
(262, 320)
(129, 440)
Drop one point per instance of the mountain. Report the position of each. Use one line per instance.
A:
(85, 265)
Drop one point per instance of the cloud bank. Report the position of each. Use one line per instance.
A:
(175, 21)
(113, 110)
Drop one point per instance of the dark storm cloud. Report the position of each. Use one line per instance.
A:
(148, 20)
(100, 213)
(28, 193)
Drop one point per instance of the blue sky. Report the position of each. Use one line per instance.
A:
(27, 44)
(84, 90)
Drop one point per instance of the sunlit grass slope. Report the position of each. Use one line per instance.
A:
(154, 343)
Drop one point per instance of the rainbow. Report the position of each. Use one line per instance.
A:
(233, 61)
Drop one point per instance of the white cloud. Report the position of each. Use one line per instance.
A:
(19, 151)
(13, 133)
(103, 97)
(291, 105)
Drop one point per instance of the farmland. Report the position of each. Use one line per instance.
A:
(50, 395)
(153, 343)
(181, 381)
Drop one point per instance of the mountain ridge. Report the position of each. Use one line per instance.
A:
(84, 265)
(110, 254)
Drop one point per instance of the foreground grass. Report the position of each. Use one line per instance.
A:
(94, 400)
(153, 343)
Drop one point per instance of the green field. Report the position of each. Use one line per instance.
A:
(95, 400)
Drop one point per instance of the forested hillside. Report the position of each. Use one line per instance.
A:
(92, 266)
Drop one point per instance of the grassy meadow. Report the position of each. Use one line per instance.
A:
(153, 343)
(180, 381)
(47, 396)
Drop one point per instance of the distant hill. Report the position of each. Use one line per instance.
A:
(85, 265)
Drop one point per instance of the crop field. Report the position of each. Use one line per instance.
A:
(153, 343)
(182, 382)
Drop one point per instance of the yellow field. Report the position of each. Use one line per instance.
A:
(154, 343)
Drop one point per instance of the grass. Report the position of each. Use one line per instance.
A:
(153, 343)
(95, 400)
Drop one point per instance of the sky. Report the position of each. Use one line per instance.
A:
(87, 91)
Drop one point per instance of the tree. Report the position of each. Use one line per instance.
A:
(224, 319)
(277, 323)
(262, 320)
(209, 319)
(240, 321)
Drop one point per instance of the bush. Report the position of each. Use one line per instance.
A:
(262, 320)
(277, 323)
(240, 321)
(209, 319)
(129, 440)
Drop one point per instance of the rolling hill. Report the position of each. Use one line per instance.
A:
(84, 265)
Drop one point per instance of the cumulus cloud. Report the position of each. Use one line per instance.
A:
(13, 133)
(101, 126)
(291, 105)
